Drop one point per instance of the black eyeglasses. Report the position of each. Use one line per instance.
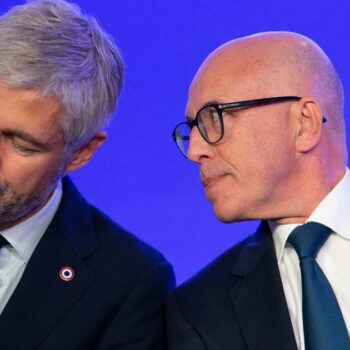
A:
(209, 120)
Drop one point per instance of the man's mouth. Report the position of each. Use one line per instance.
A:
(209, 182)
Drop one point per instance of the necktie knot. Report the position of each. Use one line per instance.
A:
(307, 239)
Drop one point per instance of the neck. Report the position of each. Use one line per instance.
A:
(307, 195)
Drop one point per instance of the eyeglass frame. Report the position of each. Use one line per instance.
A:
(220, 107)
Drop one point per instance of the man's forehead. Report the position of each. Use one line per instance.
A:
(252, 67)
(19, 105)
(222, 83)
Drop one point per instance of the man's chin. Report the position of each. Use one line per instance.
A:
(227, 216)
(229, 213)
(19, 209)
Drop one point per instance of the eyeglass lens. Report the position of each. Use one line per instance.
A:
(182, 137)
(209, 125)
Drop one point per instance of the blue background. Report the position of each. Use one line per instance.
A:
(138, 177)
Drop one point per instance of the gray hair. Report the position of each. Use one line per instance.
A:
(51, 46)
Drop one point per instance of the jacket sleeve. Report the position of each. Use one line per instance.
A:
(181, 334)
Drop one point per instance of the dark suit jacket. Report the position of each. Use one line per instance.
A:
(114, 301)
(236, 303)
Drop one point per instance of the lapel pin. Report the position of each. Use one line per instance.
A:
(66, 273)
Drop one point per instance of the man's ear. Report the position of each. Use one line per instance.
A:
(83, 155)
(308, 124)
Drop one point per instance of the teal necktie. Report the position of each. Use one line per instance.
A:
(324, 326)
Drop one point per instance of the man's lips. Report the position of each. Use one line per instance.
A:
(212, 180)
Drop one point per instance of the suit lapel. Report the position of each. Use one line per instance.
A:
(258, 297)
(42, 298)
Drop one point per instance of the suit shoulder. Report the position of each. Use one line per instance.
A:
(204, 300)
(213, 277)
(114, 238)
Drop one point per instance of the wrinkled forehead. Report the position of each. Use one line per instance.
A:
(225, 78)
(251, 68)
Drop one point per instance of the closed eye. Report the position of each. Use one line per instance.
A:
(23, 150)
(19, 145)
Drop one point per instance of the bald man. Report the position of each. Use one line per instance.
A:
(277, 155)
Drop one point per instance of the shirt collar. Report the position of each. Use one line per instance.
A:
(25, 236)
(333, 212)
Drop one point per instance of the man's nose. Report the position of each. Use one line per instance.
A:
(198, 148)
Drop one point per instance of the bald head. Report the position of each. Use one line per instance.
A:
(274, 161)
(277, 64)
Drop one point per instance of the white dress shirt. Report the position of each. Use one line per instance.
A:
(23, 239)
(333, 257)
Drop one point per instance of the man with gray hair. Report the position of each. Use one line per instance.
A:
(265, 124)
(70, 278)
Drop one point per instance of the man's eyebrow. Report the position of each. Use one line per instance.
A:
(206, 104)
(26, 137)
(211, 102)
